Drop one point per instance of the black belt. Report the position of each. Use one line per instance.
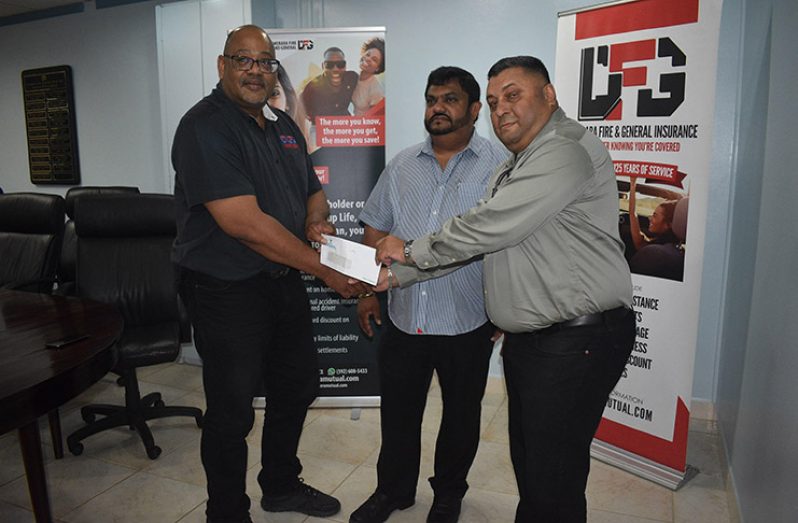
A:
(597, 318)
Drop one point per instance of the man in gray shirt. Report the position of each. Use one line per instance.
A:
(555, 279)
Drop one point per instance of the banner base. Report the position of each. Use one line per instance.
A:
(642, 467)
(330, 402)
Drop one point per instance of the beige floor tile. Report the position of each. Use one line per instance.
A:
(195, 516)
(124, 447)
(492, 469)
(181, 376)
(141, 497)
(70, 483)
(11, 465)
(614, 490)
(345, 440)
(704, 452)
(482, 506)
(183, 464)
(602, 516)
(693, 503)
(14, 514)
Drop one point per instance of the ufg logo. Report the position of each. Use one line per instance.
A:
(609, 62)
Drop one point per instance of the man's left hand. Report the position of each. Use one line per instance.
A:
(390, 249)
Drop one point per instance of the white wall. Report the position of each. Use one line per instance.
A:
(115, 75)
(759, 363)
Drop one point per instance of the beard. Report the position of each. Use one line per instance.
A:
(446, 129)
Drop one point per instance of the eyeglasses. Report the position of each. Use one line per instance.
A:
(340, 64)
(244, 63)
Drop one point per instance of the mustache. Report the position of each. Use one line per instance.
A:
(253, 80)
(440, 114)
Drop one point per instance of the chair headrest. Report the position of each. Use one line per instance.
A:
(125, 215)
(78, 192)
(31, 213)
(679, 223)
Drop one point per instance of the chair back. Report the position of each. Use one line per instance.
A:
(31, 230)
(69, 247)
(124, 249)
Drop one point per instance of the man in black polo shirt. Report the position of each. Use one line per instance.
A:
(247, 201)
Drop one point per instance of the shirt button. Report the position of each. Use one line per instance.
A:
(434, 212)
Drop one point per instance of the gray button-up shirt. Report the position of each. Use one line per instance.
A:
(548, 227)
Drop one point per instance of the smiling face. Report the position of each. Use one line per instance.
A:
(370, 61)
(334, 67)
(521, 103)
(448, 109)
(248, 89)
(658, 222)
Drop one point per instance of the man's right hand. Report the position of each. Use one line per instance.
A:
(368, 308)
(340, 283)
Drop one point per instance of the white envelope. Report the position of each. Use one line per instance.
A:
(350, 258)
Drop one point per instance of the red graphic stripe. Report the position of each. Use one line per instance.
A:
(669, 453)
(635, 16)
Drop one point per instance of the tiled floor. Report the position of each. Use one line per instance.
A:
(114, 481)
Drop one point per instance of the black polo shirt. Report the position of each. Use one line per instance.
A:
(219, 151)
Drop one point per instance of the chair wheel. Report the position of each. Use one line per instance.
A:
(159, 403)
(153, 452)
(88, 417)
(76, 449)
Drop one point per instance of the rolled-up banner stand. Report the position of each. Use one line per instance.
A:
(641, 76)
(341, 113)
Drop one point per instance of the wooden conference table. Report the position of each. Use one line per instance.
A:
(35, 379)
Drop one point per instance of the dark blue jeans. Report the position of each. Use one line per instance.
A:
(406, 363)
(558, 382)
(252, 335)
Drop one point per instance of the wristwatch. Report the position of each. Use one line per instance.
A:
(408, 252)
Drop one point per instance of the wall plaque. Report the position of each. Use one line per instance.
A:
(50, 122)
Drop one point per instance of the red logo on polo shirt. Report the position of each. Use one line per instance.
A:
(288, 141)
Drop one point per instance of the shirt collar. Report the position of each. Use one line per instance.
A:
(474, 145)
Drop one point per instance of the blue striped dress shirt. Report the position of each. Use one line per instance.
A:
(414, 197)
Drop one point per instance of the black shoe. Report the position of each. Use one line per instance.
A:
(378, 507)
(444, 510)
(304, 499)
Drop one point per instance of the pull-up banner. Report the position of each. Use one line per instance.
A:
(641, 76)
(332, 84)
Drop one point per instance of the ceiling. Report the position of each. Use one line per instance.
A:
(17, 7)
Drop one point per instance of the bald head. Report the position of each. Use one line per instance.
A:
(242, 31)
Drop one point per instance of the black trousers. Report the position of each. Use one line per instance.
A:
(406, 363)
(249, 333)
(558, 382)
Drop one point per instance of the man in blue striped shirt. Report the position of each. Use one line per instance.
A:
(438, 325)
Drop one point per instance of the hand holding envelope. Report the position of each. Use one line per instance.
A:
(350, 258)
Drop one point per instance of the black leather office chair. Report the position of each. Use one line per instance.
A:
(69, 248)
(31, 230)
(124, 246)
